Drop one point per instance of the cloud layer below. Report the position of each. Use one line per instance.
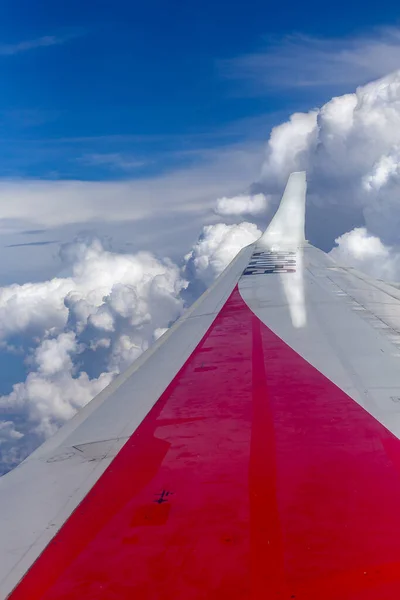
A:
(77, 332)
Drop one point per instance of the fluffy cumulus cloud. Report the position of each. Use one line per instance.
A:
(217, 246)
(350, 148)
(242, 205)
(8, 431)
(10, 453)
(366, 252)
(77, 332)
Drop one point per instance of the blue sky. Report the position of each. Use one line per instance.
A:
(108, 90)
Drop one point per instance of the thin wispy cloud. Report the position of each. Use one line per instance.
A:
(299, 61)
(38, 204)
(114, 160)
(28, 117)
(41, 42)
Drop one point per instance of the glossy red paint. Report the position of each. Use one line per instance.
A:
(258, 478)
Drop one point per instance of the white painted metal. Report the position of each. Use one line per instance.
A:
(351, 331)
(286, 229)
(344, 323)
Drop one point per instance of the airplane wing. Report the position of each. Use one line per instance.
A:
(253, 452)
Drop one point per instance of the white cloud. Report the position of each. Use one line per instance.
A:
(114, 160)
(44, 403)
(54, 355)
(10, 446)
(217, 246)
(8, 432)
(81, 331)
(31, 307)
(161, 214)
(41, 42)
(385, 168)
(159, 332)
(299, 61)
(289, 141)
(38, 204)
(241, 205)
(350, 149)
(366, 252)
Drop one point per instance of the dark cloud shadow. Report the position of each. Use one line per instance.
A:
(44, 243)
(33, 231)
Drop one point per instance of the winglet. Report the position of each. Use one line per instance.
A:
(286, 229)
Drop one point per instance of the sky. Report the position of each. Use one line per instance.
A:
(142, 145)
(110, 90)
